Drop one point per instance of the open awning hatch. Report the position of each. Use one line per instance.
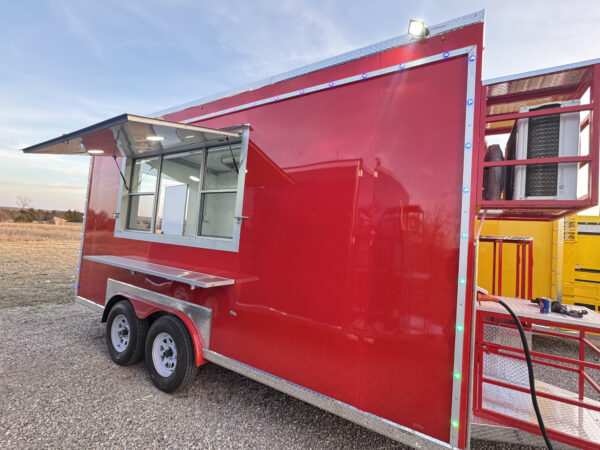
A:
(134, 136)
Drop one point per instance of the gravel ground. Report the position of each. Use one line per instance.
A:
(60, 389)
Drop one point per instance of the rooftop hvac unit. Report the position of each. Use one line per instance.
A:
(551, 136)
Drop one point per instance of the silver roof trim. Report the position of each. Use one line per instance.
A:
(379, 47)
(533, 73)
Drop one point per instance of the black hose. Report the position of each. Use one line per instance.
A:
(531, 379)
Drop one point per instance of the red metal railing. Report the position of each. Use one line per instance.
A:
(524, 264)
(532, 209)
(579, 366)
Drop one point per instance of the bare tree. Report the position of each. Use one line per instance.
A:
(23, 202)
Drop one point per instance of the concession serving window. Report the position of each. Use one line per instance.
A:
(180, 184)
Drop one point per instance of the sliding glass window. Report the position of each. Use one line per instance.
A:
(190, 194)
(142, 193)
(219, 191)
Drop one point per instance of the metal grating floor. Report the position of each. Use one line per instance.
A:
(568, 419)
(486, 430)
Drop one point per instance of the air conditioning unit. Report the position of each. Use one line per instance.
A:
(546, 137)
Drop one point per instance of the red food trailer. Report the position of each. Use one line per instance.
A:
(316, 231)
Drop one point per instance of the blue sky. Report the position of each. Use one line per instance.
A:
(69, 64)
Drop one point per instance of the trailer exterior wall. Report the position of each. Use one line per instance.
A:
(347, 271)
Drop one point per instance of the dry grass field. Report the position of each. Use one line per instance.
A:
(37, 263)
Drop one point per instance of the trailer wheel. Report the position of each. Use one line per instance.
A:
(125, 334)
(170, 354)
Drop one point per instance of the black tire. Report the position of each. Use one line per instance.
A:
(134, 334)
(172, 338)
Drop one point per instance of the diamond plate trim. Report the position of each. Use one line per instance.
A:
(378, 424)
(501, 367)
(200, 315)
(562, 417)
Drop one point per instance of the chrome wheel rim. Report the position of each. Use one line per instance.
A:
(164, 354)
(119, 333)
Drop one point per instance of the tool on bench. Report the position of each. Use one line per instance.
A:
(558, 307)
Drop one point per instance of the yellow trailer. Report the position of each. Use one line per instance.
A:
(566, 258)
(581, 262)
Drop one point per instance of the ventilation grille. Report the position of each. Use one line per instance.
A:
(542, 142)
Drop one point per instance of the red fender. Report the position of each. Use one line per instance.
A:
(143, 308)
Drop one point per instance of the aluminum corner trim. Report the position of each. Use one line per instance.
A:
(89, 304)
(378, 424)
(462, 297)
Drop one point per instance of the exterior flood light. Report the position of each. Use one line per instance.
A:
(95, 152)
(155, 138)
(417, 28)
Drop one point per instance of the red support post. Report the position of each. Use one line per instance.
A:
(581, 367)
(530, 277)
(518, 270)
(494, 270)
(500, 267)
(523, 258)
(479, 372)
(594, 131)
